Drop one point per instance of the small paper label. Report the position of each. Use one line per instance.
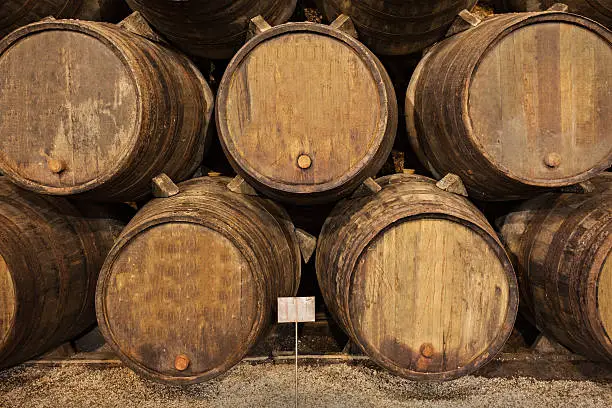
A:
(296, 309)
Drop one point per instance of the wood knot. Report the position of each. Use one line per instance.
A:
(304, 162)
(56, 165)
(181, 362)
(427, 350)
(552, 160)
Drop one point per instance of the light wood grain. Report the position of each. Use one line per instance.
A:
(7, 301)
(195, 297)
(543, 90)
(306, 111)
(429, 283)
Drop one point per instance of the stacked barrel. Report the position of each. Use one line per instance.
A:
(513, 107)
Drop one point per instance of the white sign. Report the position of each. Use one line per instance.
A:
(296, 309)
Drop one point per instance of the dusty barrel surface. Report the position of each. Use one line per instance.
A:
(209, 28)
(398, 27)
(598, 10)
(191, 284)
(527, 104)
(418, 279)
(94, 110)
(561, 245)
(16, 13)
(51, 252)
(306, 113)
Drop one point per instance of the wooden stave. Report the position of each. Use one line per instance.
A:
(339, 188)
(207, 201)
(559, 289)
(484, 179)
(159, 146)
(231, 17)
(352, 226)
(68, 245)
(390, 32)
(593, 9)
(29, 11)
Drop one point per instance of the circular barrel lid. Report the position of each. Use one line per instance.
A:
(432, 298)
(7, 302)
(178, 303)
(540, 104)
(302, 109)
(69, 108)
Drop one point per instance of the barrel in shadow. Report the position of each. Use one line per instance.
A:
(97, 111)
(191, 284)
(561, 245)
(515, 105)
(598, 10)
(17, 13)
(210, 28)
(418, 279)
(391, 27)
(51, 252)
(306, 113)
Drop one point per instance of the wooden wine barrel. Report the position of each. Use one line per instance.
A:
(210, 28)
(391, 27)
(106, 111)
(17, 13)
(306, 113)
(50, 254)
(418, 279)
(191, 284)
(526, 102)
(561, 246)
(598, 10)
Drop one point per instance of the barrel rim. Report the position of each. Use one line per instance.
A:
(91, 29)
(303, 190)
(523, 20)
(105, 327)
(494, 347)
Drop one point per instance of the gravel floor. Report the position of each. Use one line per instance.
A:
(269, 385)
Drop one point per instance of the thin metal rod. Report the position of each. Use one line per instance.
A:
(296, 364)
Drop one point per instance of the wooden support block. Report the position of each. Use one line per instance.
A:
(307, 243)
(453, 184)
(408, 171)
(464, 21)
(345, 24)
(240, 186)
(585, 187)
(545, 345)
(164, 187)
(558, 7)
(257, 26)
(47, 19)
(136, 23)
(368, 187)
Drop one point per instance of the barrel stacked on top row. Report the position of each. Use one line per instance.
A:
(505, 108)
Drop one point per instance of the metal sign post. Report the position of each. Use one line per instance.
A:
(295, 310)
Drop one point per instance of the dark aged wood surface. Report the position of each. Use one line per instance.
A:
(17, 13)
(50, 254)
(517, 104)
(210, 28)
(193, 280)
(418, 279)
(598, 10)
(95, 110)
(561, 246)
(306, 113)
(396, 28)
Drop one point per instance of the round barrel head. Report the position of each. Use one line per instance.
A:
(540, 105)
(432, 298)
(8, 304)
(604, 295)
(69, 109)
(178, 303)
(302, 111)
